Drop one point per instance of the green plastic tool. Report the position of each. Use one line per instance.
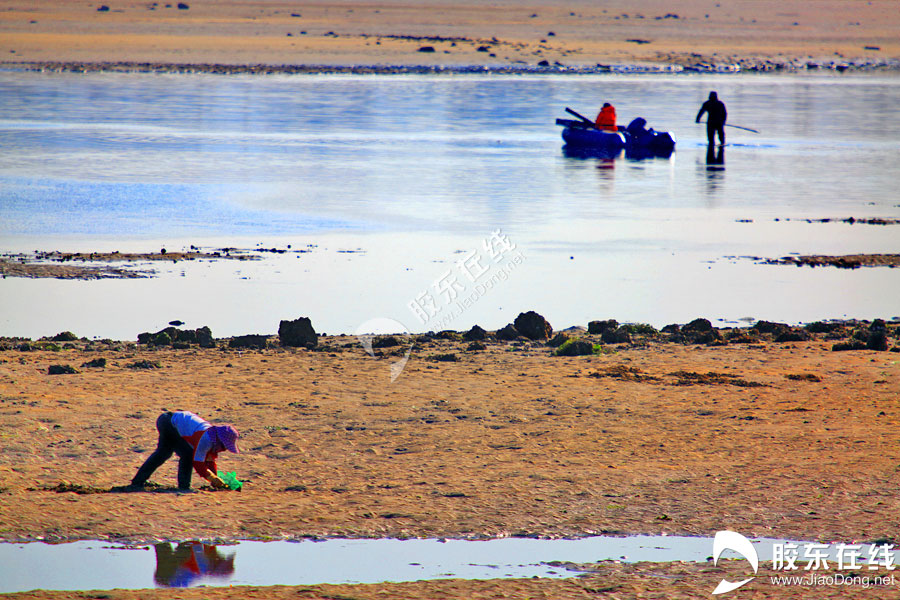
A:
(231, 481)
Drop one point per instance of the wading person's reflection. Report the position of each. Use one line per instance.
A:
(715, 158)
(189, 562)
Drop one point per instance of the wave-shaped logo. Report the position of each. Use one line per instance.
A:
(368, 331)
(731, 540)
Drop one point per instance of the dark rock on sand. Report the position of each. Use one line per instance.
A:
(710, 338)
(671, 328)
(741, 336)
(559, 339)
(64, 336)
(533, 326)
(144, 364)
(619, 335)
(61, 370)
(448, 334)
(183, 6)
(877, 339)
(205, 337)
(507, 333)
(103, 8)
(598, 327)
(476, 346)
(698, 325)
(776, 329)
(475, 334)
(851, 345)
(97, 363)
(298, 333)
(823, 327)
(426, 49)
(249, 341)
(793, 334)
(385, 341)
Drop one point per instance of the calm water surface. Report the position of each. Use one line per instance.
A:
(393, 179)
(93, 565)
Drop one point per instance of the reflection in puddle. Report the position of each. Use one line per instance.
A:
(190, 563)
(92, 565)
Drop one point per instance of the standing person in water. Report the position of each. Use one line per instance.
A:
(197, 444)
(606, 119)
(716, 117)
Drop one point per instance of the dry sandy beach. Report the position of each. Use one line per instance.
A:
(502, 33)
(766, 438)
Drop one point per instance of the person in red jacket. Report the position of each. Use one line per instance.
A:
(197, 444)
(606, 118)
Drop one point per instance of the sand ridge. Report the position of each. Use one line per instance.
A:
(576, 33)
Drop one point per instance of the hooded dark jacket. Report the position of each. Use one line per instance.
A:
(715, 108)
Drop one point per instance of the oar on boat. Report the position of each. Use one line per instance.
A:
(580, 116)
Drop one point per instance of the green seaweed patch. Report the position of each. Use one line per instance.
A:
(48, 346)
(639, 329)
(580, 347)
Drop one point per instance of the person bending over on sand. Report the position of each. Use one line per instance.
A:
(197, 444)
(715, 120)
(606, 118)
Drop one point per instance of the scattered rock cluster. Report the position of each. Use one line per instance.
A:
(179, 338)
(675, 65)
(848, 334)
(528, 330)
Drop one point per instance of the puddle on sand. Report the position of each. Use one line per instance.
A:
(90, 565)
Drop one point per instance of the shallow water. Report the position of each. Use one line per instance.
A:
(417, 171)
(99, 565)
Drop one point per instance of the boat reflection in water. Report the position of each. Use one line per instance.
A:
(189, 563)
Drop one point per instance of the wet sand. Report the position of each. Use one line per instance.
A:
(615, 581)
(97, 265)
(774, 439)
(574, 33)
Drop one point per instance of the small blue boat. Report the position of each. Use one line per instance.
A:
(577, 133)
(582, 137)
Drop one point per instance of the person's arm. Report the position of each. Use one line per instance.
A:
(205, 463)
(700, 114)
